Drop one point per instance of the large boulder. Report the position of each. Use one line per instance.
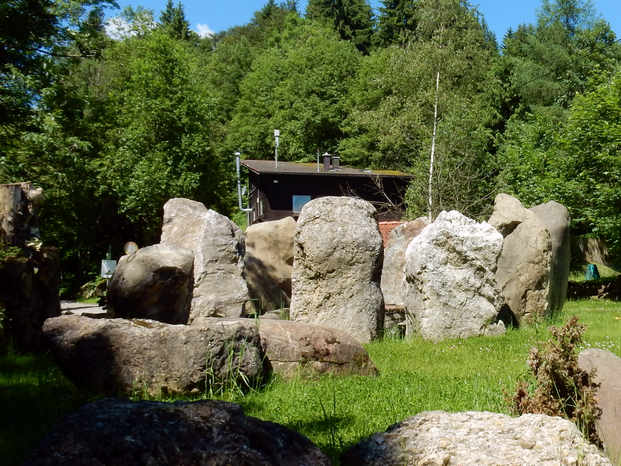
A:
(153, 283)
(337, 267)
(29, 284)
(476, 438)
(451, 287)
(120, 356)
(269, 263)
(220, 289)
(555, 217)
(29, 270)
(523, 272)
(607, 367)
(297, 348)
(393, 270)
(118, 432)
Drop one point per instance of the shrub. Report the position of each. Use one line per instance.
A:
(561, 388)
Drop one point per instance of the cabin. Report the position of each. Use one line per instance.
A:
(280, 189)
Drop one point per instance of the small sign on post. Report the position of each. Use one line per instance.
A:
(107, 268)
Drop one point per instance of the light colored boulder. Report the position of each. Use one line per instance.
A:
(337, 267)
(153, 283)
(555, 217)
(220, 289)
(508, 214)
(393, 270)
(297, 348)
(476, 438)
(19, 203)
(120, 356)
(269, 263)
(607, 367)
(200, 433)
(451, 286)
(523, 272)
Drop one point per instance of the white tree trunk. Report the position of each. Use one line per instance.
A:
(433, 147)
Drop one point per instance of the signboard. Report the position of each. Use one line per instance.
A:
(107, 267)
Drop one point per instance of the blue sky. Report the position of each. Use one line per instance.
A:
(218, 15)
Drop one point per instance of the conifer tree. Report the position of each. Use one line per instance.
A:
(352, 19)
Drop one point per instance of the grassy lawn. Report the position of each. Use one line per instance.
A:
(334, 412)
(578, 274)
(33, 395)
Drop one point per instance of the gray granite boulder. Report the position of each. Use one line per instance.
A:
(269, 263)
(393, 270)
(120, 356)
(220, 289)
(153, 283)
(523, 272)
(119, 432)
(337, 266)
(476, 438)
(607, 367)
(450, 278)
(556, 219)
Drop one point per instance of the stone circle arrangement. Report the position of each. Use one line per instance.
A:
(210, 304)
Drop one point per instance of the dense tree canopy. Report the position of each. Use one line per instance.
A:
(113, 124)
(392, 105)
(352, 19)
(298, 87)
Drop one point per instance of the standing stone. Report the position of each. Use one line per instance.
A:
(607, 367)
(29, 271)
(393, 270)
(555, 217)
(220, 289)
(201, 433)
(153, 283)
(19, 204)
(337, 267)
(477, 439)
(269, 263)
(451, 287)
(523, 272)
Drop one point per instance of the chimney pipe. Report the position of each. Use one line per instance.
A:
(336, 162)
(326, 162)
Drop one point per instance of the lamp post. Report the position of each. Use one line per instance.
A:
(276, 137)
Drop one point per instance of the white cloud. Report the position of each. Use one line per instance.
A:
(204, 31)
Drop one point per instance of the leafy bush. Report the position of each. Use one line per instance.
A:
(561, 388)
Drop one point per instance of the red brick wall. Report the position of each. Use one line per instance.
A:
(386, 228)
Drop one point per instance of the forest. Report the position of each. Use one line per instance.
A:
(113, 125)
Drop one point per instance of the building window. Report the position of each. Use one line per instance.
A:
(299, 200)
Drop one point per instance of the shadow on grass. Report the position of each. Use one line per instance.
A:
(34, 395)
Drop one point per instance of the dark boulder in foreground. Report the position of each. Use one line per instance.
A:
(115, 432)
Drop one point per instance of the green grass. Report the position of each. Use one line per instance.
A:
(336, 412)
(33, 396)
(93, 300)
(577, 274)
